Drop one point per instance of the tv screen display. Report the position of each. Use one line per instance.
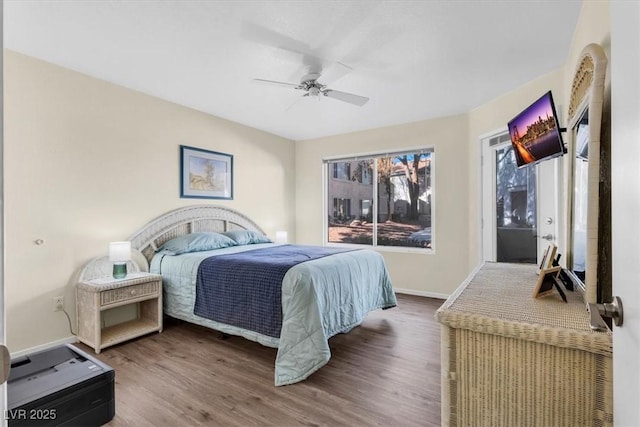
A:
(535, 133)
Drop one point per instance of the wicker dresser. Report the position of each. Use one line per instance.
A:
(511, 360)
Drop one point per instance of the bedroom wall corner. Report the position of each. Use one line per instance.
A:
(88, 162)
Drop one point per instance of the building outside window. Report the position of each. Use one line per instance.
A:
(381, 200)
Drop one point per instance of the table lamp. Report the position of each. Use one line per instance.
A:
(281, 237)
(119, 254)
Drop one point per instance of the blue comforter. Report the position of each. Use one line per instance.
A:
(320, 298)
(245, 289)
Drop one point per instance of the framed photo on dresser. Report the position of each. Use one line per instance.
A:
(546, 281)
(543, 262)
(548, 256)
(552, 252)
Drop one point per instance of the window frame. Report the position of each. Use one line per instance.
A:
(326, 173)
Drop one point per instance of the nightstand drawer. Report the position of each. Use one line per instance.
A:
(112, 296)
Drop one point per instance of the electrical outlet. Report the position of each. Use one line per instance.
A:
(58, 303)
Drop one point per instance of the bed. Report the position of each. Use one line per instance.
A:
(329, 293)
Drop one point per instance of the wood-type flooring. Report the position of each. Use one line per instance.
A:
(386, 372)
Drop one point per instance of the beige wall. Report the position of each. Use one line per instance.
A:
(88, 162)
(457, 191)
(494, 116)
(592, 27)
(437, 273)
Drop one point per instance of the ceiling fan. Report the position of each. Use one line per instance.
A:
(314, 85)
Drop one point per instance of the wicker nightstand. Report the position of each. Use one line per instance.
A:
(95, 295)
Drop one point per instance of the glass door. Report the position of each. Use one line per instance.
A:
(515, 209)
(519, 205)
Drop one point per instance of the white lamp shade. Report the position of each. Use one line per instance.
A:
(281, 237)
(119, 251)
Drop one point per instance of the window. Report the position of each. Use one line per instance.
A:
(342, 208)
(342, 171)
(381, 200)
(366, 175)
(365, 206)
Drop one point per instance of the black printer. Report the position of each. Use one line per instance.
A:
(60, 386)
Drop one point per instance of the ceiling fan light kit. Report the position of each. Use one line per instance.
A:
(315, 85)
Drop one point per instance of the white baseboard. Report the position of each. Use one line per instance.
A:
(421, 293)
(52, 344)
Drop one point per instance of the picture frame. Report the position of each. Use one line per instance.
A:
(543, 262)
(205, 174)
(552, 250)
(547, 281)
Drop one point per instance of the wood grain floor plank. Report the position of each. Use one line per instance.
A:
(385, 372)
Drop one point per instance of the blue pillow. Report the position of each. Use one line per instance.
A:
(247, 237)
(196, 242)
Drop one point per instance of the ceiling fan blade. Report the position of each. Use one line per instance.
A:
(306, 95)
(268, 37)
(332, 73)
(346, 97)
(273, 82)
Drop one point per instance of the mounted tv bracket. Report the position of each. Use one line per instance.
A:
(564, 145)
(612, 310)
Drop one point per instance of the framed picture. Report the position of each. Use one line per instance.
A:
(543, 263)
(551, 255)
(205, 174)
(546, 282)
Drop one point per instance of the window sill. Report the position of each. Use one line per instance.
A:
(401, 249)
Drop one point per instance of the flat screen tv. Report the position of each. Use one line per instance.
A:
(535, 132)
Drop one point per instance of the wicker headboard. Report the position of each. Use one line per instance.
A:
(190, 219)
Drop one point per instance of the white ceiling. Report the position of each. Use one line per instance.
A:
(415, 60)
